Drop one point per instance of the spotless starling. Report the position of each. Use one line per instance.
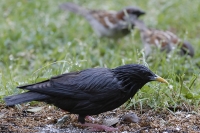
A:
(90, 91)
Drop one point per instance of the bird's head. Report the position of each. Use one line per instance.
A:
(134, 11)
(136, 73)
(130, 14)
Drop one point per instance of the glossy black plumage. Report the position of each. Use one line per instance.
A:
(88, 92)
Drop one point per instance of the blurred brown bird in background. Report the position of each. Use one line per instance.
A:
(163, 40)
(111, 24)
(89, 92)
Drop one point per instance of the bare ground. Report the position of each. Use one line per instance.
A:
(14, 119)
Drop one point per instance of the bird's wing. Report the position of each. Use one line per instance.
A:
(97, 83)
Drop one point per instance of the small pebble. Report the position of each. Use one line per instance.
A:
(131, 118)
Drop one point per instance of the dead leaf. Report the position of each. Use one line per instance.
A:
(34, 109)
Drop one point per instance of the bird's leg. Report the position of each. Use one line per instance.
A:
(97, 127)
(81, 118)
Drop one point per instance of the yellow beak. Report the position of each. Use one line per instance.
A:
(158, 78)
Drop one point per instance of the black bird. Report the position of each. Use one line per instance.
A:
(88, 92)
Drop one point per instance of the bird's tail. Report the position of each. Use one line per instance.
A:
(187, 48)
(74, 8)
(24, 97)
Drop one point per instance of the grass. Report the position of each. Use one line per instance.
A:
(39, 41)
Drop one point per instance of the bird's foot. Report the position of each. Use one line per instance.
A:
(97, 127)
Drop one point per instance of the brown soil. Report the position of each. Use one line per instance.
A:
(14, 119)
